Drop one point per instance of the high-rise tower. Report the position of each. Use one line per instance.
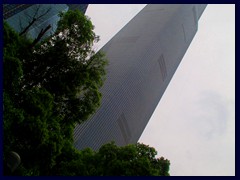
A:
(143, 56)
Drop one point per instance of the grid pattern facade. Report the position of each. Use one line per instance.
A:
(143, 56)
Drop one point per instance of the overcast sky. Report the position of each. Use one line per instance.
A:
(194, 123)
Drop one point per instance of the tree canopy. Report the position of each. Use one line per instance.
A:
(111, 160)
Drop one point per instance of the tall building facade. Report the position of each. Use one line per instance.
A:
(143, 57)
(10, 10)
(18, 16)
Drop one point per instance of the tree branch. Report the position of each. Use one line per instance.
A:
(34, 19)
(30, 24)
(40, 35)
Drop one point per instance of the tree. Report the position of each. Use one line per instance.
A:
(111, 160)
(30, 128)
(47, 89)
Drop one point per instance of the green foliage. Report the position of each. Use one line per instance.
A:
(12, 73)
(111, 160)
(78, 27)
(67, 67)
(48, 88)
(32, 130)
(11, 41)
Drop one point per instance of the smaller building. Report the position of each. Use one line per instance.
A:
(11, 9)
(19, 16)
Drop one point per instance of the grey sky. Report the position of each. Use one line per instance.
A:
(194, 123)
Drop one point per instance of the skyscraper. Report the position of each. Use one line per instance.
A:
(143, 57)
